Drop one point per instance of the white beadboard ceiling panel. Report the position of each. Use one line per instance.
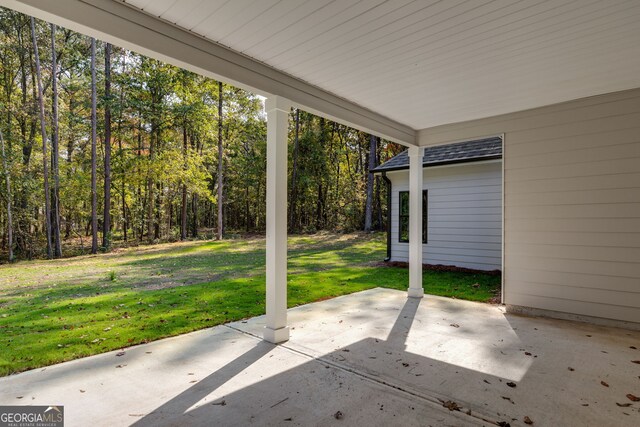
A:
(425, 63)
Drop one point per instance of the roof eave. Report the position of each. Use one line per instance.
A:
(442, 163)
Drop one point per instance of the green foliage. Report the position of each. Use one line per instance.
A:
(164, 141)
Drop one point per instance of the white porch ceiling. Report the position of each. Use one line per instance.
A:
(388, 67)
(425, 63)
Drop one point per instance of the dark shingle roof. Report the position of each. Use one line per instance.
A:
(468, 151)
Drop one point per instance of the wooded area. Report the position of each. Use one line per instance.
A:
(105, 145)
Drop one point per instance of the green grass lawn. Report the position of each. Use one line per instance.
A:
(52, 311)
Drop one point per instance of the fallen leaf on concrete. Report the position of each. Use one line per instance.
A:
(194, 381)
(122, 353)
(527, 353)
(623, 405)
(288, 419)
(405, 364)
(633, 347)
(19, 397)
(633, 398)
(451, 405)
(571, 369)
(527, 420)
(455, 325)
(636, 361)
(221, 403)
(511, 384)
(604, 384)
(120, 366)
(81, 391)
(509, 399)
(585, 404)
(338, 415)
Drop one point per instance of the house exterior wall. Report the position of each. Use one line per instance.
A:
(572, 203)
(464, 215)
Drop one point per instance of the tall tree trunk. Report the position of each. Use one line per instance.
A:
(220, 161)
(183, 212)
(7, 178)
(55, 169)
(150, 187)
(378, 196)
(70, 145)
(125, 217)
(138, 186)
(368, 211)
(294, 176)
(196, 145)
(194, 211)
(106, 221)
(94, 172)
(43, 131)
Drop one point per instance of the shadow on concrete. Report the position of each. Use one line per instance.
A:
(314, 391)
(173, 412)
(419, 375)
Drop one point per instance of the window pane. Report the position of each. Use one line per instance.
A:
(403, 216)
(404, 203)
(425, 216)
(404, 229)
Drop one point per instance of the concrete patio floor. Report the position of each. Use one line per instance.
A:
(373, 358)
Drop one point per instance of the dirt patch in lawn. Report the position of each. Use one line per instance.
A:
(158, 283)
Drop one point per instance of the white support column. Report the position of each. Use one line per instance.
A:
(278, 109)
(415, 222)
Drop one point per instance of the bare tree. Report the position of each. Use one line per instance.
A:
(94, 192)
(7, 178)
(106, 221)
(220, 153)
(368, 212)
(43, 131)
(55, 169)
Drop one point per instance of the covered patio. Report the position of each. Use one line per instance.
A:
(371, 358)
(557, 80)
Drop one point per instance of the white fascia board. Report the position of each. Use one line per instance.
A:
(117, 23)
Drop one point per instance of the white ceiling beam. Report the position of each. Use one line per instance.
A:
(130, 28)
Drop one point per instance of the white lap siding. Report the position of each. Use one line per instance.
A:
(464, 215)
(572, 203)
